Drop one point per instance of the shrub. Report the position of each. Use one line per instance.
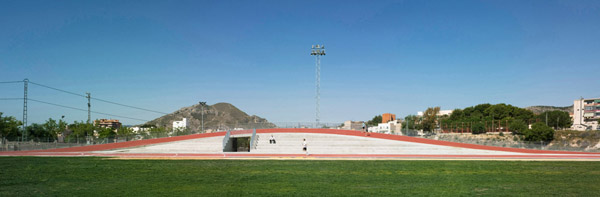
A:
(585, 134)
(517, 126)
(478, 128)
(539, 132)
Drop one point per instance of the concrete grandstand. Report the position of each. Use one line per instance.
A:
(322, 143)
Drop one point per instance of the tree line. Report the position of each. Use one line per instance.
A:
(50, 130)
(487, 117)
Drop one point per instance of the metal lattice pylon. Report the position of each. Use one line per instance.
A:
(25, 84)
(318, 51)
(89, 107)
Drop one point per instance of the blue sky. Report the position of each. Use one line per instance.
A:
(382, 56)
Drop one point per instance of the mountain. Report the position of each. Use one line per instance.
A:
(541, 109)
(220, 116)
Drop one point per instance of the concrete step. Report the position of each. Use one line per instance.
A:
(291, 143)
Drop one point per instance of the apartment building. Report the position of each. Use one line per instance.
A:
(586, 113)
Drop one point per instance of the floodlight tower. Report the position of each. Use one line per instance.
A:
(202, 104)
(318, 51)
(89, 107)
(25, 84)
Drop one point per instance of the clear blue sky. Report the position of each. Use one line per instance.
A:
(382, 56)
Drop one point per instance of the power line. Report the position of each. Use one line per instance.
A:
(68, 92)
(74, 108)
(127, 105)
(4, 99)
(98, 99)
(11, 81)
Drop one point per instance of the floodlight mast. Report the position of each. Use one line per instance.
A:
(202, 105)
(318, 51)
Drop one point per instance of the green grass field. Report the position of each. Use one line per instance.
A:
(46, 176)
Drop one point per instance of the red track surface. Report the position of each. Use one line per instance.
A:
(87, 150)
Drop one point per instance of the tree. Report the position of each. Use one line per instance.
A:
(410, 125)
(490, 114)
(539, 132)
(106, 132)
(498, 111)
(38, 132)
(517, 126)
(157, 131)
(557, 119)
(376, 120)
(81, 129)
(430, 118)
(62, 125)
(522, 114)
(412, 122)
(477, 128)
(125, 132)
(457, 114)
(9, 127)
(146, 126)
(481, 108)
(53, 127)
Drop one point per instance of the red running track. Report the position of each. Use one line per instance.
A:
(318, 156)
(87, 150)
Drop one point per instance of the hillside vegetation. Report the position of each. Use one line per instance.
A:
(541, 109)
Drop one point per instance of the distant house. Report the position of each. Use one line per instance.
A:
(107, 123)
(62, 135)
(387, 117)
(441, 113)
(390, 127)
(353, 125)
(139, 130)
(180, 125)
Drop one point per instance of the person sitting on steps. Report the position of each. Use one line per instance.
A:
(272, 140)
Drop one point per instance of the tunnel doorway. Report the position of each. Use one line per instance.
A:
(238, 144)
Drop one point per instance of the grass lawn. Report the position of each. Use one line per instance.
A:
(88, 176)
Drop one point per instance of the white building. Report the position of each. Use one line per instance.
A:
(441, 113)
(390, 127)
(445, 112)
(353, 125)
(139, 130)
(383, 128)
(586, 113)
(180, 125)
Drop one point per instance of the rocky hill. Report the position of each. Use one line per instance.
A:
(541, 109)
(220, 116)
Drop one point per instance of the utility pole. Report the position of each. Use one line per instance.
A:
(25, 84)
(202, 104)
(407, 125)
(318, 51)
(89, 107)
(546, 118)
